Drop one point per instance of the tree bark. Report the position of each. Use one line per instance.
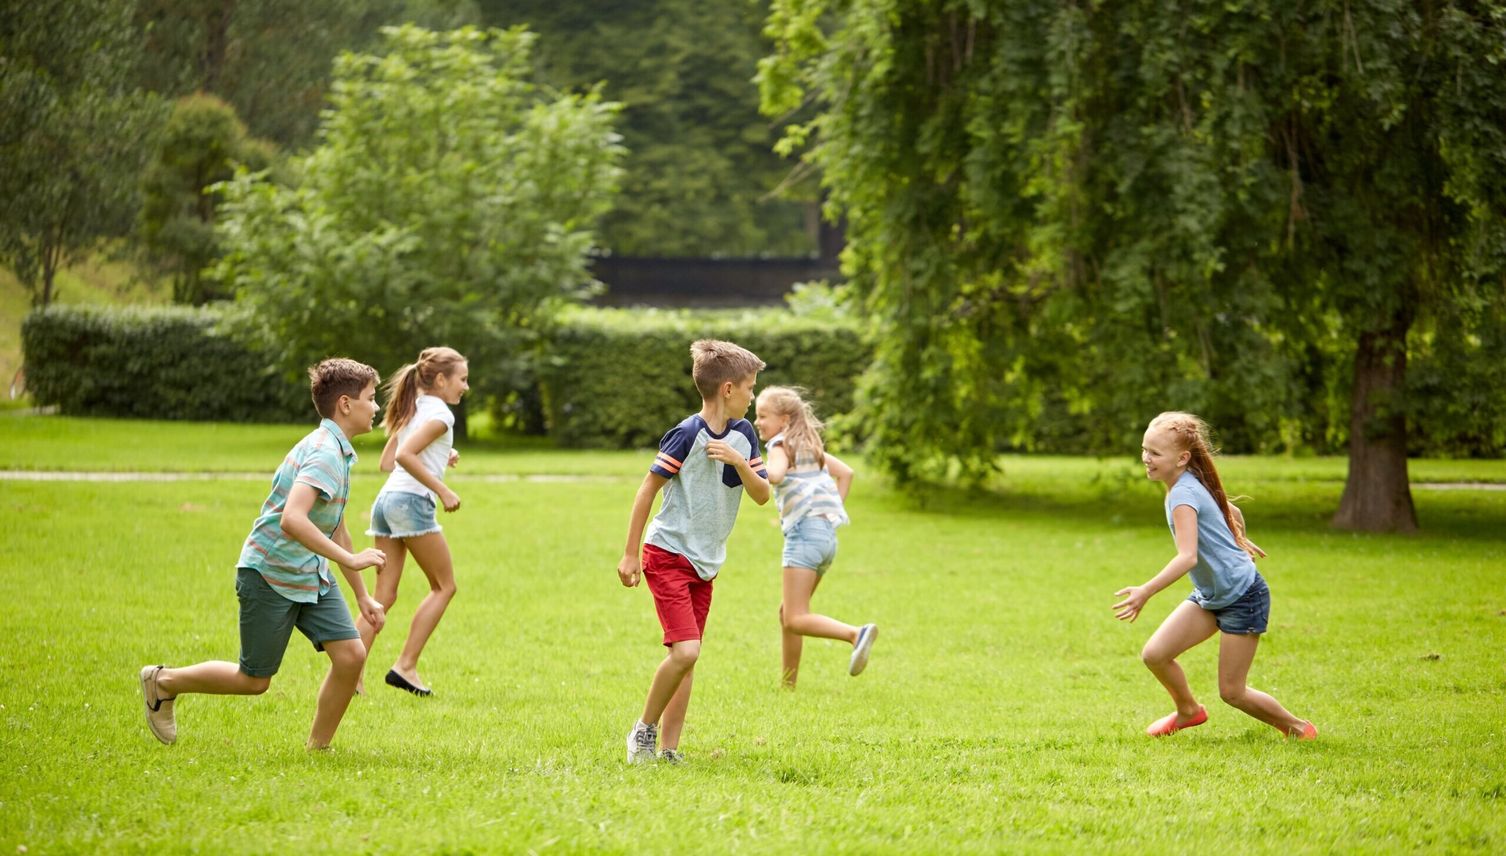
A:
(1377, 494)
(216, 40)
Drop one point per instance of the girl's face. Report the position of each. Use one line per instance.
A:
(450, 388)
(1164, 461)
(768, 423)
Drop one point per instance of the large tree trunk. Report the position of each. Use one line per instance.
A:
(1377, 496)
(216, 41)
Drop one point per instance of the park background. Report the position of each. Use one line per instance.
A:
(993, 240)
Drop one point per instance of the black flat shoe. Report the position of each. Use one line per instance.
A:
(396, 680)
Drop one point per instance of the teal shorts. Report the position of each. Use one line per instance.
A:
(268, 619)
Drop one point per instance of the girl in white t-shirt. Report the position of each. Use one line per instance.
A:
(420, 437)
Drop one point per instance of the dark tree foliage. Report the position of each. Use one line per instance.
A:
(1064, 218)
(701, 176)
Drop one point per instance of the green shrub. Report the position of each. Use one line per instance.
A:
(621, 378)
(156, 363)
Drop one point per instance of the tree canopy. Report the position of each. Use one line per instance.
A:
(700, 177)
(1065, 218)
(450, 201)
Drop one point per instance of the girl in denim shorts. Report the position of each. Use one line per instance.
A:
(420, 437)
(810, 487)
(1229, 596)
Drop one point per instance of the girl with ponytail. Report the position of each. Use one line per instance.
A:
(420, 440)
(1228, 596)
(810, 487)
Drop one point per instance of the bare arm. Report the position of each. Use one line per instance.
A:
(1184, 522)
(371, 609)
(778, 463)
(407, 456)
(389, 454)
(630, 568)
(756, 485)
(841, 473)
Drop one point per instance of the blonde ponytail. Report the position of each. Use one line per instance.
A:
(1192, 435)
(407, 382)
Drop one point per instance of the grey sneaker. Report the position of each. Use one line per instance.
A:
(159, 710)
(671, 756)
(866, 634)
(642, 742)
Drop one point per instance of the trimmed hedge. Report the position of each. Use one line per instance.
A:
(617, 378)
(154, 363)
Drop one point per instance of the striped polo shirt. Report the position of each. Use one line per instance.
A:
(321, 460)
(808, 490)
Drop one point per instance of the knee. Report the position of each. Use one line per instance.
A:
(256, 685)
(447, 590)
(1232, 695)
(351, 658)
(684, 654)
(784, 618)
(1153, 657)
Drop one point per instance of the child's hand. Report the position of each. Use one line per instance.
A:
(454, 458)
(630, 570)
(370, 557)
(1134, 601)
(373, 611)
(449, 499)
(718, 450)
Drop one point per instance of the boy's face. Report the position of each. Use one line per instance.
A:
(741, 396)
(363, 409)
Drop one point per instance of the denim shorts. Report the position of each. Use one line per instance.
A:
(1247, 615)
(811, 543)
(403, 515)
(268, 619)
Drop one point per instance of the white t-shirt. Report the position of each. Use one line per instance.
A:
(434, 456)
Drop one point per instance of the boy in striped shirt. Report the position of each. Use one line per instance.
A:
(283, 578)
(703, 466)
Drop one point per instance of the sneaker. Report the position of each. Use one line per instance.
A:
(866, 634)
(642, 741)
(1168, 725)
(159, 710)
(671, 756)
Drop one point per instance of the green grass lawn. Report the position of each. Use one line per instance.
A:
(1002, 710)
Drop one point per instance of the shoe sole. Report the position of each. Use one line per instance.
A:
(147, 674)
(861, 652)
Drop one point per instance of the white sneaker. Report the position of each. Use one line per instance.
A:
(642, 742)
(159, 710)
(866, 634)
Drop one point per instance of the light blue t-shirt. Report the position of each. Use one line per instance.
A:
(702, 495)
(1224, 570)
(808, 490)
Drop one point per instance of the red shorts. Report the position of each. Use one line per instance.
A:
(681, 597)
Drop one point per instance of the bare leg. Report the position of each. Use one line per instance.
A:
(797, 620)
(1235, 654)
(1186, 626)
(674, 713)
(346, 657)
(668, 677)
(215, 677)
(432, 553)
(387, 578)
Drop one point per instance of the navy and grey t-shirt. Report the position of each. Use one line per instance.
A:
(702, 496)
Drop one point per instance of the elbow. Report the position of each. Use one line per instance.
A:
(387, 466)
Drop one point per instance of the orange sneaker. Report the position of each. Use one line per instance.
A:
(1308, 731)
(1168, 725)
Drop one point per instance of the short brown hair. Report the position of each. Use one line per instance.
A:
(714, 362)
(335, 377)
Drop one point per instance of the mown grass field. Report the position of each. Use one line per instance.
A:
(1002, 710)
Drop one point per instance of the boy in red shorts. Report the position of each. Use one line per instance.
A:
(703, 466)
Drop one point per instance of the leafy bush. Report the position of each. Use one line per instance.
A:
(621, 378)
(155, 363)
